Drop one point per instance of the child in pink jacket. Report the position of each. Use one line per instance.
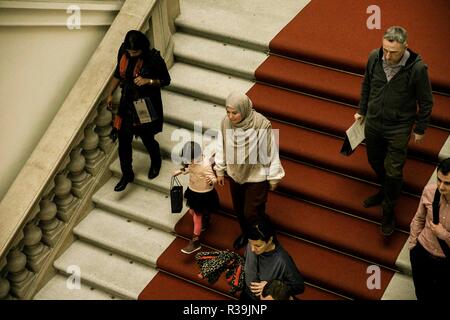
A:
(202, 198)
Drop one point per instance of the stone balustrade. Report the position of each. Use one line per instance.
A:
(70, 160)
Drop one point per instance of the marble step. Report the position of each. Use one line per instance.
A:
(251, 23)
(103, 270)
(217, 55)
(208, 85)
(61, 288)
(144, 201)
(123, 236)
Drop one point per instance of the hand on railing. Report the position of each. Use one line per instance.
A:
(109, 102)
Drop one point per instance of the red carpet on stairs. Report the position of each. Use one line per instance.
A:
(341, 192)
(329, 116)
(331, 84)
(167, 287)
(327, 227)
(310, 90)
(335, 33)
(323, 150)
(320, 266)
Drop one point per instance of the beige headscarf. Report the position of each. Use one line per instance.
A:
(250, 120)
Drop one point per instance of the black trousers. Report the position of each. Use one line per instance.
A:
(249, 201)
(431, 274)
(126, 134)
(386, 153)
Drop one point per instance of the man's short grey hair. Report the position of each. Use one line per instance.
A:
(396, 33)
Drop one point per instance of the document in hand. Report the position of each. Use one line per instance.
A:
(353, 137)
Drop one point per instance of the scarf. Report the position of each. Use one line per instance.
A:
(237, 138)
(124, 64)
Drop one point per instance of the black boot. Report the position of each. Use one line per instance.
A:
(153, 172)
(374, 200)
(123, 183)
(392, 190)
(388, 220)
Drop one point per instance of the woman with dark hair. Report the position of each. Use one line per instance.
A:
(266, 259)
(141, 72)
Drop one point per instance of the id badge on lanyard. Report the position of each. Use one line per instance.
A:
(142, 111)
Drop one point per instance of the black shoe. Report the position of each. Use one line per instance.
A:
(374, 200)
(153, 172)
(123, 183)
(240, 242)
(388, 222)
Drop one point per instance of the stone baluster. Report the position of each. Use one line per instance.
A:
(94, 156)
(81, 180)
(19, 276)
(64, 200)
(103, 128)
(49, 223)
(4, 288)
(34, 249)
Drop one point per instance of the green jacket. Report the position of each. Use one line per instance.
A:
(392, 106)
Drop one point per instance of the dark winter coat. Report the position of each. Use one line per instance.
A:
(392, 105)
(153, 67)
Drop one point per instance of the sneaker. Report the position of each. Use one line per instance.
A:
(194, 245)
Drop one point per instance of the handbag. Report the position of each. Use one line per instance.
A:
(176, 195)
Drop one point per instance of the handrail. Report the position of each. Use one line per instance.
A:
(58, 175)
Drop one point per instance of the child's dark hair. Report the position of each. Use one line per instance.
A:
(277, 289)
(191, 150)
(261, 229)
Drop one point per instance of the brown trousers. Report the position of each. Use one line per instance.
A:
(249, 201)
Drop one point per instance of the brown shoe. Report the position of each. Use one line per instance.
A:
(194, 245)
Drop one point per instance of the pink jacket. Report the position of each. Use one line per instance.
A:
(198, 171)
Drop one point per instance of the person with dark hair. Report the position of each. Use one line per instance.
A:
(275, 290)
(141, 72)
(248, 152)
(202, 198)
(265, 260)
(395, 97)
(429, 240)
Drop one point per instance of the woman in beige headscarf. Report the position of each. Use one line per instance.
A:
(248, 152)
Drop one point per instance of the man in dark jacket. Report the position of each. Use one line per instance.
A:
(395, 82)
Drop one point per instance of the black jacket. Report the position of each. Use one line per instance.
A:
(153, 67)
(276, 264)
(392, 106)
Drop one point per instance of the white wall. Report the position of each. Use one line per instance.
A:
(38, 67)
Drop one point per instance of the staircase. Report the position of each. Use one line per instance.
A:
(128, 246)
